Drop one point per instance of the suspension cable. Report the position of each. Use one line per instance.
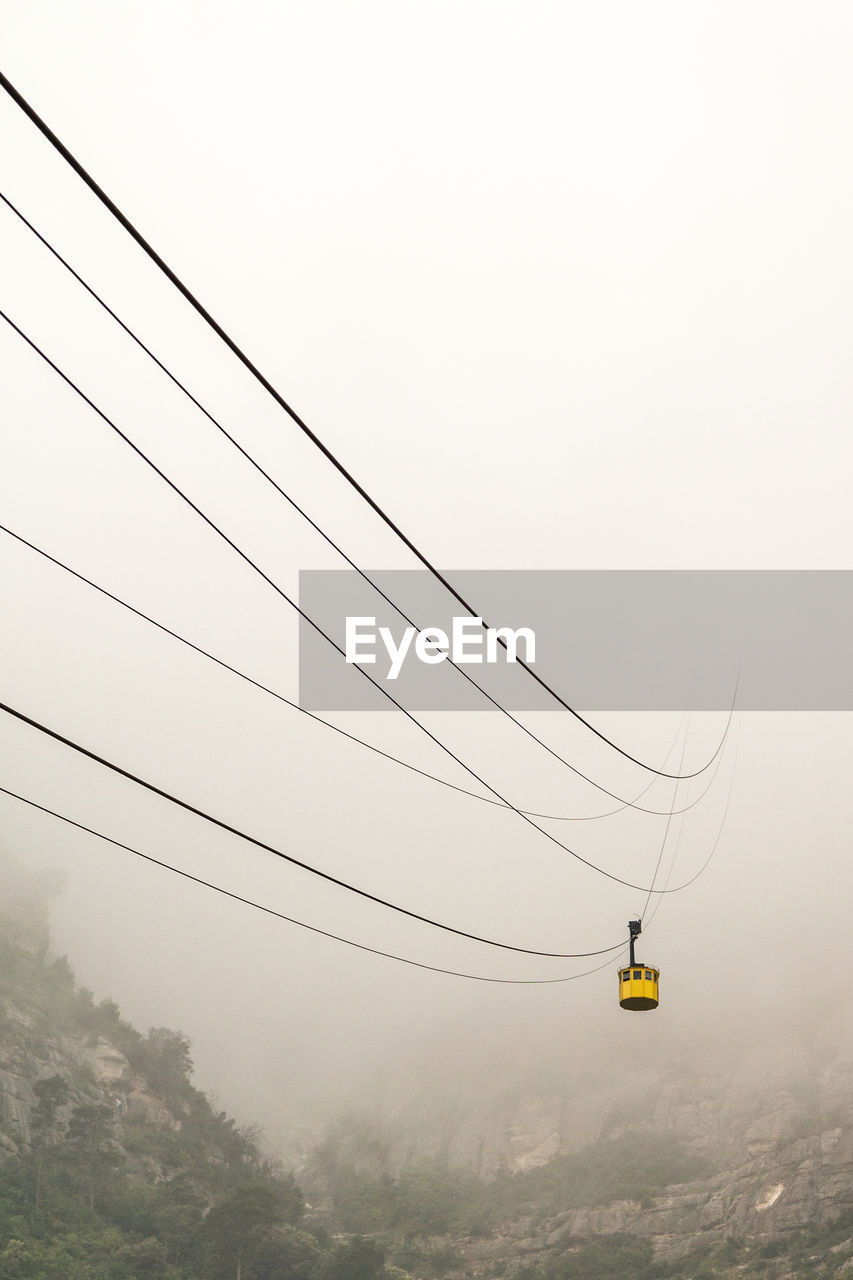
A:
(316, 627)
(624, 803)
(279, 915)
(315, 439)
(329, 724)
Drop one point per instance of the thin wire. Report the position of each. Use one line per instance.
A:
(329, 540)
(288, 857)
(722, 826)
(279, 915)
(315, 439)
(550, 817)
(316, 627)
(670, 870)
(665, 832)
(648, 923)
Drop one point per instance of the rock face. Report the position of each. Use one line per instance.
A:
(790, 1186)
(51, 1028)
(96, 1071)
(773, 1126)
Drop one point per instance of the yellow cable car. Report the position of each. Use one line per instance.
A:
(639, 984)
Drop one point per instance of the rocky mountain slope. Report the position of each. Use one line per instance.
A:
(113, 1166)
(695, 1161)
(735, 1157)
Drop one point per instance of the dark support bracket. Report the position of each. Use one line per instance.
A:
(635, 928)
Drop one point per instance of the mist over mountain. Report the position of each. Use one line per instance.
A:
(113, 1166)
(709, 1157)
(539, 1156)
(564, 287)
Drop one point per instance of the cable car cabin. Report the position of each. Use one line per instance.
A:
(638, 983)
(638, 987)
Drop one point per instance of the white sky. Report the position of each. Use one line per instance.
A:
(564, 286)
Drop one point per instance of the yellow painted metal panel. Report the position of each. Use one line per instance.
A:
(642, 992)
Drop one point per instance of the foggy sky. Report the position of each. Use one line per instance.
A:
(564, 286)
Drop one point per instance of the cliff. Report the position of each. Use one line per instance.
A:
(709, 1164)
(113, 1166)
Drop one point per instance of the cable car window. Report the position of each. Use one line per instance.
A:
(648, 975)
(638, 973)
